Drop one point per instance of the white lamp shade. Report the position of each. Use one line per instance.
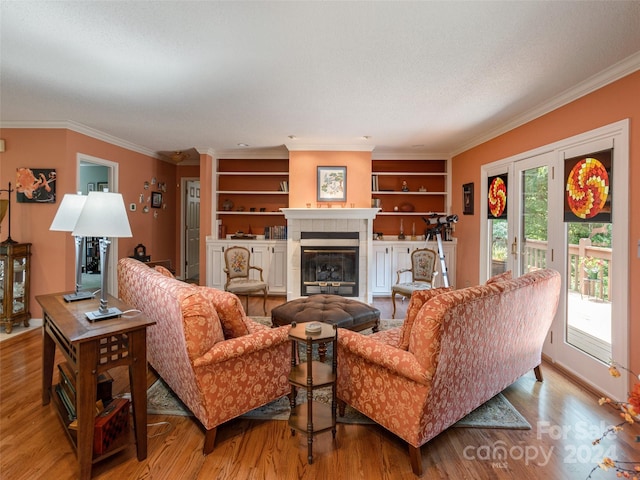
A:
(68, 212)
(103, 215)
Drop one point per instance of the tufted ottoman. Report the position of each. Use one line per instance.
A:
(331, 309)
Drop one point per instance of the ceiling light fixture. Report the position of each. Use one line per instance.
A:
(292, 137)
(366, 137)
(243, 144)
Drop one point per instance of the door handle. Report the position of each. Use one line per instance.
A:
(514, 247)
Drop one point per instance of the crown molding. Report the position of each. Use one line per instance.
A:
(409, 156)
(329, 148)
(84, 130)
(617, 71)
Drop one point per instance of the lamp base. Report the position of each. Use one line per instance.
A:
(97, 315)
(74, 297)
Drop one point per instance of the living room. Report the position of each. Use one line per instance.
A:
(609, 98)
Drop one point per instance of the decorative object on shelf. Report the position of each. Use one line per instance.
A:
(156, 199)
(103, 215)
(36, 185)
(405, 187)
(407, 207)
(91, 187)
(5, 208)
(467, 199)
(140, 253)
(332, 184)
(65, 221)
(401, 235)
(422, 188)
(227, 205)
(102, 186)
(413, 232)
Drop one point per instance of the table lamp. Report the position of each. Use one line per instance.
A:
(65, 221)
(103, 215)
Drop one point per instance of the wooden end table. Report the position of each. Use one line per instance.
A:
(312, 417)
(91, 348)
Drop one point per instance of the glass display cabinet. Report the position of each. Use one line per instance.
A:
(15, 263)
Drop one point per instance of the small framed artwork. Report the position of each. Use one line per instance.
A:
(156, 199)
(332, 184)
(467, 199)
(102, 186)
(91, 187)
(36, 185)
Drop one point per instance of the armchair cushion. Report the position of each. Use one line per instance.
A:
(164, 271)
(418, 299)
(230, 311)
(202, 327)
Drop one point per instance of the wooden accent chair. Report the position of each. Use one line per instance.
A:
(423, 263)
(238, 267)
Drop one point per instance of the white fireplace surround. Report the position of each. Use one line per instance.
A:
(330, 220)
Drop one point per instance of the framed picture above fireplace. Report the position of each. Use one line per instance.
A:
(332, 184)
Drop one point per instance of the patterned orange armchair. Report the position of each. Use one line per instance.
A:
(219, 362)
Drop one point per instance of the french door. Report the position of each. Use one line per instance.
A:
(592, 320)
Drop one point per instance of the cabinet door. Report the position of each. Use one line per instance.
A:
(449, 252)
(278, 268)
(381, 269)
(401, 260)
(216, 277)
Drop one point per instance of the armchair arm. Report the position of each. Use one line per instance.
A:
(402, 270)
(241, 346)
(259, 269)
(398, 361)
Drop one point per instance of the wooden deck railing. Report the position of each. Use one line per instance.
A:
(535, 257)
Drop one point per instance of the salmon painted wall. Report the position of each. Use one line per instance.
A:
(53, 260)
(303, 168)
(609, 104)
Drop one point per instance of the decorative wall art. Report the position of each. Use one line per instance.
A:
(156, 200)
(91, 187)
(467, 199)
(36, 185)
(332, 184)
(588, 187)
(497, 197)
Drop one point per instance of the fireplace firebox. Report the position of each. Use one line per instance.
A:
(330, 270)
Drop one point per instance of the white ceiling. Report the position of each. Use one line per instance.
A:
(413, 76)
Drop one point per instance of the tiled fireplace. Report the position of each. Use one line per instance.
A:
(337, 229)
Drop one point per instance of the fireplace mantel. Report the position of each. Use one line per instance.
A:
(329, 213)
(326, 219)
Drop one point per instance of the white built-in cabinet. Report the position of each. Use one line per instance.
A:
(270, 255)
(389, 256)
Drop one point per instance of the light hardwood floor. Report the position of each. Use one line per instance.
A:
(565, 419)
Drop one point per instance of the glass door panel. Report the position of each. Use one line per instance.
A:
(533, 211)
(588, 325)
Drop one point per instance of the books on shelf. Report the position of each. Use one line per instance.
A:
(284, 186)
(374, 183)
(277, 232)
